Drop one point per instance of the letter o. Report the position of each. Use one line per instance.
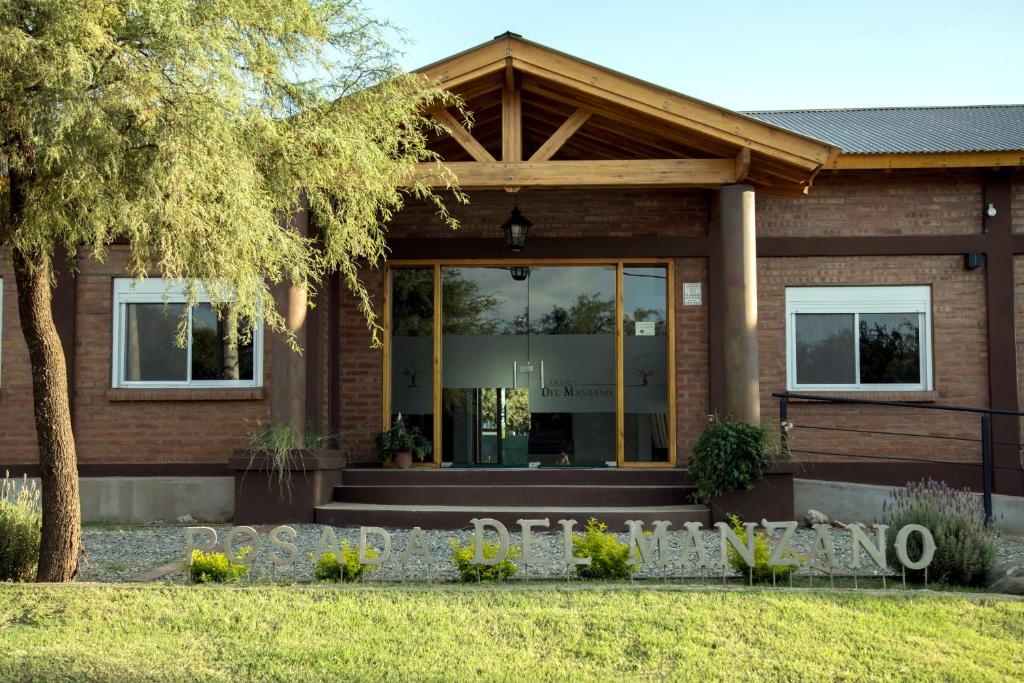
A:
(927, 549)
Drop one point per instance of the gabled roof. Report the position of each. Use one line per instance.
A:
(903, 130)
(623, 119)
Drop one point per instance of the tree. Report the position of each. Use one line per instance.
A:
(189, 130)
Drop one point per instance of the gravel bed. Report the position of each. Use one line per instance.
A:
(139, 553)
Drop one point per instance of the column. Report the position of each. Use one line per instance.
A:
(737, 236)
(288, 367)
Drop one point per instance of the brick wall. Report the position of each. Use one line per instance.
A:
(108, 428)
(959, 350)
(17, 423)
(565, 213)
(903, 202)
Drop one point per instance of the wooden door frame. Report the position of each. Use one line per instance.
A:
(618, 263)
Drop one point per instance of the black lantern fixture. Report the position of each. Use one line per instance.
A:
(520, 273)
(515, 229)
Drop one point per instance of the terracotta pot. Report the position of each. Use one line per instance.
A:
(403, 459)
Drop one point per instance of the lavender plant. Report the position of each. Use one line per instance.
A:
(964, 547)
(20, 523)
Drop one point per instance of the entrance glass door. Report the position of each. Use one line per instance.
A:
(528, 365)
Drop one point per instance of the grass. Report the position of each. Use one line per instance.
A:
(164, 632)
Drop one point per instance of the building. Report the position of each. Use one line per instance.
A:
(682, 260)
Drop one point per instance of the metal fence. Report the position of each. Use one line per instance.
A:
(789, 429)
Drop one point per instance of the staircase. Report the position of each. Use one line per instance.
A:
(449, 498)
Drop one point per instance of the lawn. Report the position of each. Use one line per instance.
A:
(550, 633)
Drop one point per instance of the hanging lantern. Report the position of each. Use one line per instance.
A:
(516, 228)
(520, 273)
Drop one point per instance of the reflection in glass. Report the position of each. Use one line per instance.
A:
(890, 348)
(217, 350)
(412, 348)
(150, 352)
(645, 363)
(825, 349)
(528, 366)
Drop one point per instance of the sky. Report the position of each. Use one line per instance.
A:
(750, 55)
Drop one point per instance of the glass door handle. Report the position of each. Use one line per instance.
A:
(515, 374)
(542, 375)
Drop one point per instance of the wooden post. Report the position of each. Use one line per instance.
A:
(741, 383)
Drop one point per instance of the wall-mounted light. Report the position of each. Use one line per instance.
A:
(974, 260)
(990, 211)
(516, 228)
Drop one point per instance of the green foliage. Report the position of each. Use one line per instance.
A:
(609, 556)
(462, 557)
(276, 444)
(964, 547)
(213, 567)
(188, 130)
(730, 455)
(328, 569)
(399, 439)
(762, 571)
(20, 526)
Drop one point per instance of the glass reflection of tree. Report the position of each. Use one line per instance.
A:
(589, 314)
(412, 308)
(820, 358)
(468, 311)
(890, 355)
(517, 410)
(655, 315)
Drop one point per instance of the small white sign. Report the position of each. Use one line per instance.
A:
(645, 329)
(692, 295)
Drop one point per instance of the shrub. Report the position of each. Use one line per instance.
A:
(731, 455)
(762, 571)
(463, 559)
(964, 547)
(21, 519)
(215, 567)
(328, 569)
(609, 556)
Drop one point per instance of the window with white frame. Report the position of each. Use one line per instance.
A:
(858, 338)
(146, 318)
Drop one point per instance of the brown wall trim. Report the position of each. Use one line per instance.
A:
(334, 360)
(548, 247)
(682, 247)
(1002, 348)
(63, 307)
(891, 473)
(870, 245)
(169, 469)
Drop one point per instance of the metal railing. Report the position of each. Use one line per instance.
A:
(984, 439)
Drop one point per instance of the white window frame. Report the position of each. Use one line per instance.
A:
(854, 301)
(157, 290)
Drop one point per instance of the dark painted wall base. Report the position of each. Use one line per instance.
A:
(259, 498)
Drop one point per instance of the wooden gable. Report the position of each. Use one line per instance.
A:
(541, 118)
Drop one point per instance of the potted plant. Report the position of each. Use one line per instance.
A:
(400, 445)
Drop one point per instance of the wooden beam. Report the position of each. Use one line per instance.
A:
(461, 135)
(928, 160)
(604, 173)
(662, 103)
(560, 136)
(742, 164)
(511, 120)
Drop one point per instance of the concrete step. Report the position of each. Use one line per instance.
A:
(516, 476)
(459, 516)
(523, 495)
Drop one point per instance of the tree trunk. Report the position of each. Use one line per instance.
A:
(62, 516)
